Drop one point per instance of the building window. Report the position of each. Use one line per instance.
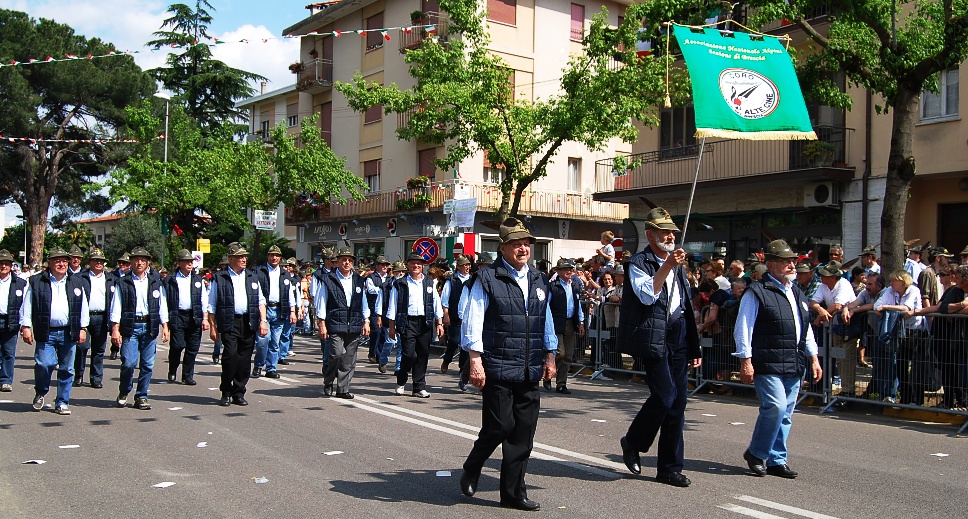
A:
(264, 129)
(677, 132)
(502, 11)
(574, 174)
(945, 102)
(374, 39)
(371, 174)
(374, 114)
(577, 21)
(292, 114)
(425, 163)
(493, 173)
(326, 123)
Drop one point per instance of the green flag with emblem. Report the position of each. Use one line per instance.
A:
(743, 86)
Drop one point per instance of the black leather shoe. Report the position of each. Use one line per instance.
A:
(755, 464)
(114, 355)
(547, 385)
(214, 359)
(521, 504)
(675, 479)
(468, 483)
(77, 383)
(239, 400)
(171, 378)
(563, 389)
(283, 362)
(256, 372)
(328, 390)
(347, 395)
(784, 471)
(630, 457)
(272, 374)
(225, 401)
(96, 384)
(188, 381)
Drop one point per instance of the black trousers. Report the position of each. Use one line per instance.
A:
(97, 337)
(186, 336)
(664, 413)
(453, 343)
(237, 348)
(508, 419)
(415, 351)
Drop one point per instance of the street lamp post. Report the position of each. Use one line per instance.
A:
(167, 98)
(23, 253)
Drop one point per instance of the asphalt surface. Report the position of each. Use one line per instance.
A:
(399, 456)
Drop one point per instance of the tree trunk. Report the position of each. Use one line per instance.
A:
(900, 173)
(37, 216)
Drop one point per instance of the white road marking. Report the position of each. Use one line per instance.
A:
(431, 418)
(749, 511)
(777, 506)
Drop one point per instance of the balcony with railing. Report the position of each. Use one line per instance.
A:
(432, 24)
(725, 162)
(315, 76)
(402, 201)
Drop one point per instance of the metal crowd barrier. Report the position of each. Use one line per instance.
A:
(925, 369)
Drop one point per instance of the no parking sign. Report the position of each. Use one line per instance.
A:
(197, 257)
(427, 248)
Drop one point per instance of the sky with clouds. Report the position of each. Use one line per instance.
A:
(128, 24)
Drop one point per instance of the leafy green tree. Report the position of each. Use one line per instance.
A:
(463, 98)
(13, 241)
(135, 230)
(894, 49)
(77, 234)
(208, 87)
(259, 252)
(77, 99)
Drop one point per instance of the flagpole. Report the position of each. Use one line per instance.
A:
(692, 193)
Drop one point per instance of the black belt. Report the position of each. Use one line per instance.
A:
(272, 305)
(186, 312)
(98, 312)
(416, 318)
(241, 316)
(141, 318)
(57, 328)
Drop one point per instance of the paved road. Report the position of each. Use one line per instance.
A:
(383, 454)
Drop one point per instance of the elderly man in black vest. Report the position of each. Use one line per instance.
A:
(101, 287)
(187, 299)
(12, 289)
(658, 325)
(236, 310)
(568, 318)
(55, 316)
(277, 285)
(343, 318)
(139, 310)
(510, 339)
(450, 300)
(776, 346)
(123, 267)
(415, 312)
(315, 286)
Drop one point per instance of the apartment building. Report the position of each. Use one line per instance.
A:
(534, 37)
(827, 192)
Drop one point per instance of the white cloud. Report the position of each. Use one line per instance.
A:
(265, 54)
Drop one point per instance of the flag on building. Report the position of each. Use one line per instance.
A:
(461, 244)
(743, 86)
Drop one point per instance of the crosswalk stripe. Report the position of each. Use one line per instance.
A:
(783, 508)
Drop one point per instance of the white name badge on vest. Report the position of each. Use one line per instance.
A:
(19, 292)
(285, 282)
(198, 284)
(155, 293)
(540, 293)
(255, 285)
(358, 290)
(430, 290)
(77, 291)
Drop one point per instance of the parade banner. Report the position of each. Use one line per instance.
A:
(743, 87)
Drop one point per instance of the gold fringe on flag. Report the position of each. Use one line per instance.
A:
(756, 136)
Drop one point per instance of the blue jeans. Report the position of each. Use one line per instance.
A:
(57, 351)
(778, 398)
(8, 354)
(137, 349)
(267, 348)
(285, 340)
